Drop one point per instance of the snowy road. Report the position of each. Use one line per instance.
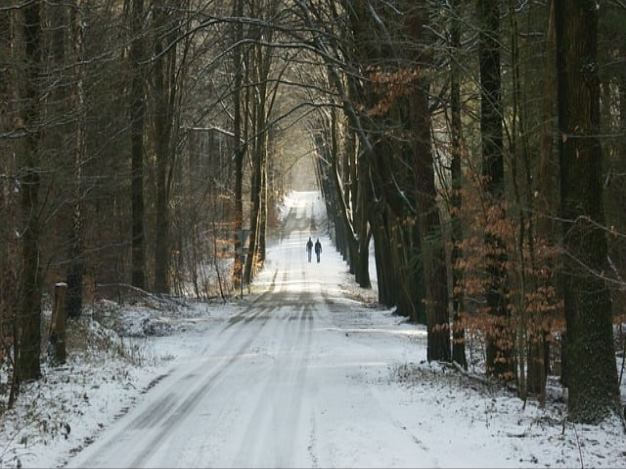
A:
(277, 385)
(304, 375)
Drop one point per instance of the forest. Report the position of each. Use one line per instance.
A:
(479, 146)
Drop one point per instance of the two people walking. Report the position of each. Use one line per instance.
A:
(318, 248)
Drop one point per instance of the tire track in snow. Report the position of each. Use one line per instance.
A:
(266, 314)
(259, 422)
(277, 412)
(300, 357)
(243, 315)
(183, 410)
(165, 413)
(157, 411)
(275, 421)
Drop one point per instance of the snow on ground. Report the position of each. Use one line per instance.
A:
(113, 361)
(304, 372)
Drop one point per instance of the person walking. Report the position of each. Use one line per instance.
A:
(318, 249)
(309, 247)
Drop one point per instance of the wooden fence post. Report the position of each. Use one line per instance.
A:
(57, 325)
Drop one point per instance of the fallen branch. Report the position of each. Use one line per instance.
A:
(580, 451)
(480, 379)
(467, 374)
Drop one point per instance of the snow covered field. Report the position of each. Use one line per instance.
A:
(304, 372)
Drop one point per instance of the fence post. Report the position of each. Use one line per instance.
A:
(57, 325)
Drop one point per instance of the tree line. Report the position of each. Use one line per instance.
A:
(123, 127)
(478, 144)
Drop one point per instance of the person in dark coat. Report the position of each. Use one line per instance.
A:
(318, 249)
(309, 247)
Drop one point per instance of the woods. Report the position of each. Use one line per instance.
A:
(475, 148)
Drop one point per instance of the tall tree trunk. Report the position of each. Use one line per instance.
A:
(256, 176)
(263, 203)
(547, 184)
(456, 130)
(262, 64)
(74, 296)
(499, 357)
(548, 163)
(137, 119)
(29, 335)
(8, 289)
(429, 224)
(344, 156)
(362, 216)
(164, 88)
(431, 239)
(592, 375)
(269, 96)
(341, 193)
(239, 149)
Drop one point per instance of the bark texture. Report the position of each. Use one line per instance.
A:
(591, 372)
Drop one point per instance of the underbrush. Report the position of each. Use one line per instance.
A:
(100, 372)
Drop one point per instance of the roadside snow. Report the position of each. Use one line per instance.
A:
(109, 369)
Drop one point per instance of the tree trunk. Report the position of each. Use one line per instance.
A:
(8, 235)
(433, 256)
(57, 326)
(344, 157)
(361, 202)
(74, 276)
(499, 357)
(29, 334)
(164, 87)
(592, 375)
(263, 204)
(137, 118)
(341, 194)
(239, 149)
(256, 189)
(547, 184)
(362, 273)
(456, 130)
(432, 248)
(261, 69)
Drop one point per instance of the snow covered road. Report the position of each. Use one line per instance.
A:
(305, 375)
(276, 385)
